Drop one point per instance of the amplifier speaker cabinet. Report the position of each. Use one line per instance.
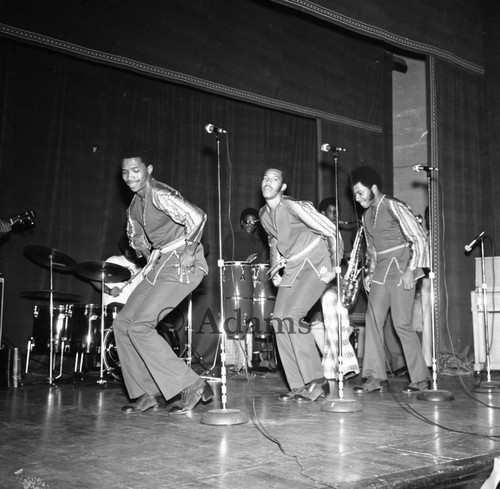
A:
(493, 308)
(492, 276)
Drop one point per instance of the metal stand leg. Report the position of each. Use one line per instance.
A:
(331, 404)
(29, 348)
(433, 394)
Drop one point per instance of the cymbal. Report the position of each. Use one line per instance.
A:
(94, 270)
(43, 256)
(45, 294)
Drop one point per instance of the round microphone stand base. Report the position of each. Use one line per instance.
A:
(486, 386)
(224, 417)
(341, 406)
(435, 395)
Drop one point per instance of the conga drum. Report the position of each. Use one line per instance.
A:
(237, 289)
(264, 298)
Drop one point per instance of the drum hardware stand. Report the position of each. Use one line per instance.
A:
(80, 354)
(30, 346)
(222, 416)
(488, 385)
(434, 394)
(99, 271)
(187, 353)
(102, 381)
(54, 259)
(339, 405)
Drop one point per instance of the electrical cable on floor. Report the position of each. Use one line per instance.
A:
(408, 408)
(262, 429)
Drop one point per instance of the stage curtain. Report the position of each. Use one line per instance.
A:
(62, 133)
(465, 195)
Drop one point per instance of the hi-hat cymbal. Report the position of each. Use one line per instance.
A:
(45, 294)
(49, 256)
(95, 270)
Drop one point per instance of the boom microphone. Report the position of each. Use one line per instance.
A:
(468, 247)
(210, 128)
(424, 168)
(326, 147)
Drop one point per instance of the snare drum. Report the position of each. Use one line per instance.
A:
(111, 312)
(60, 328)
(86, 328)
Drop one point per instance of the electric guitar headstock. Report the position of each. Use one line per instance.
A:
(23, 220)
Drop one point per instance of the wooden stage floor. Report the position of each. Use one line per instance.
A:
(73, 435)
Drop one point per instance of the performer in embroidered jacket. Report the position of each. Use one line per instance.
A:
(397, 249)
(166, 229)
(303, 259)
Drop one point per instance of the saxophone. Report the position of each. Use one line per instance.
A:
(350, 282)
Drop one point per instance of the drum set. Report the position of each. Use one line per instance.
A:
(82, 329)
(248, 303)
(85, 330)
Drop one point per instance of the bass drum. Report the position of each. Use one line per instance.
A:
(111, 359)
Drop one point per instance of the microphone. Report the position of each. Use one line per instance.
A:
(326, 147)
(210, 128)
(468, 247)
(424, 168)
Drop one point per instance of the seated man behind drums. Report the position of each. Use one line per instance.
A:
(248, 246)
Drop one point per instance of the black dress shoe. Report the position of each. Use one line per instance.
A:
(142, 403)
(372, 385)
(313, 391)
(288, 396)
(350, 375)
(417, 386)
(400, 372)
(199, 391)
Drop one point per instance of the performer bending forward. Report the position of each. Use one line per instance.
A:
(302, 252)
(166, 229)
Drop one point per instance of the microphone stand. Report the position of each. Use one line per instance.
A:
(102, 381)
(433, 394)
(488, 384)
(222, 416)
(339, 405)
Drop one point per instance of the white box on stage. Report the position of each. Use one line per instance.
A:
(493, 308)
(491, 271)
(492, 276)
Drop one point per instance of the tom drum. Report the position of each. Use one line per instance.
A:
(60, 328)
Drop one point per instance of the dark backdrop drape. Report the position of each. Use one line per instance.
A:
(55, 109)
(465, 195)
(60, 144)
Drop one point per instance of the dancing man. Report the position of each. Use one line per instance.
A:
(166, 229)
(303, 260)
(397, 249)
